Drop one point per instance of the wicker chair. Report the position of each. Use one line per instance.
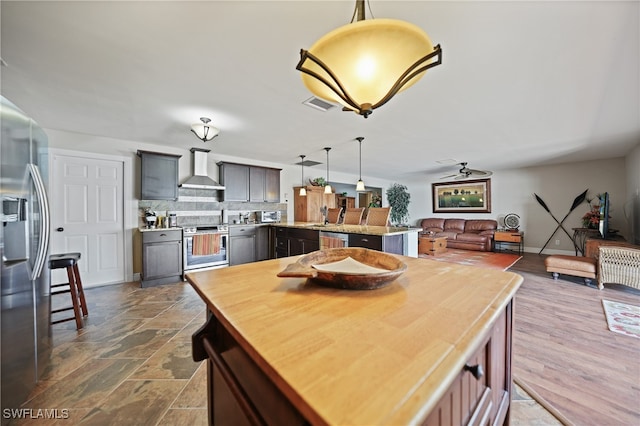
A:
(353, 216)
(618, 265)
(333, 215)
(378, 216)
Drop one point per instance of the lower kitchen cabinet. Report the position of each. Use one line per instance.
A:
(262, 242)
(385, 243)
(242, 244)
(161, 257)
(295, 241)
(481, 393)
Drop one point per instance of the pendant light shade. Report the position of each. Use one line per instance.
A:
(303, 190)
(327, 187)
(204, 131)
(363, 64)
(360, 185)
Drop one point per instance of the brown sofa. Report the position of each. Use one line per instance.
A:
(467, 234)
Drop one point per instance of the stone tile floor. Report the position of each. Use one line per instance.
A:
(131, 363)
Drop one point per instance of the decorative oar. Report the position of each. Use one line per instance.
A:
(576, 202)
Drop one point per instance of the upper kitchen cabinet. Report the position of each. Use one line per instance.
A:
(250, 183)
(159, 176)
(235, 178)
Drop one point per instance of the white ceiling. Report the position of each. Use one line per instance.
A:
(522, 82)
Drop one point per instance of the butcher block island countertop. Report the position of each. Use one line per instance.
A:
(389, 356)
(351, 229)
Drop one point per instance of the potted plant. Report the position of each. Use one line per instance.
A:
(398, 199)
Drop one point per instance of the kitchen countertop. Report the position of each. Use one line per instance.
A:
(143, 229)
(351, 229)
(382, 356)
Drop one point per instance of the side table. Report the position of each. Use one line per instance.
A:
(431, 245)
(501, 238)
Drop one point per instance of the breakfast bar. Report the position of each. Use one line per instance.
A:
(431, 347)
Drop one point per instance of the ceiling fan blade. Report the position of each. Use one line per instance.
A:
(450, 176)
(480, 172)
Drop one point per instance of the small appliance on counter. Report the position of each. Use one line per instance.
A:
(173, 219)
(270, 216)
(149, 218)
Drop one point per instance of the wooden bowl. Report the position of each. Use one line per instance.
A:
(361, 276)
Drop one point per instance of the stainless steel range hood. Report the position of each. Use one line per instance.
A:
(199, 179)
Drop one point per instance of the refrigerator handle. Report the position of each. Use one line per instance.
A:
(43, 202)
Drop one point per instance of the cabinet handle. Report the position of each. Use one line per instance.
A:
(364, 240)
(476, 370)
(163, 235)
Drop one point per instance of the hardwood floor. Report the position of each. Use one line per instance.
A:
(131, 364)
(564, 351)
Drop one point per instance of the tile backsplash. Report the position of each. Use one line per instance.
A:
(201, 207)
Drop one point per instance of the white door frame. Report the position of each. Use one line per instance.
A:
(127, 195)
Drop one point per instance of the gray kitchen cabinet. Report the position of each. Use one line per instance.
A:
(250, 183)
(159, 175)
(235, 178)
(161, 257)
(272, 186)
(242, 244)
(262, 242)
(256, 184)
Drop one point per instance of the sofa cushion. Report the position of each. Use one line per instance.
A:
(454, 225)
(472, 238)
(480, 225)
(449, 235)
(432, 224)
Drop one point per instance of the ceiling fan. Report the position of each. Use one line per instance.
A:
(465, 173)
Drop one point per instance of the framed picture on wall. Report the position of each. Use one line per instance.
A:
(469, 196)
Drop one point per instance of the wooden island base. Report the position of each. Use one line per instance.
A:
(288, 351)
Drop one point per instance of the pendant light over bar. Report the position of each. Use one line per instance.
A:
(303, 190)
(363, 64)
(327, 187)
(360, 185)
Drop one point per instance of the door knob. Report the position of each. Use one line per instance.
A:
(60, 229)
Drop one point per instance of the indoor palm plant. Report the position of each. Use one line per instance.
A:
(398, 199)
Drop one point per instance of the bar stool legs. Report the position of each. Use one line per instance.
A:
(69, 261)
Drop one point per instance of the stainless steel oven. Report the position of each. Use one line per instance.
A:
(217, 258)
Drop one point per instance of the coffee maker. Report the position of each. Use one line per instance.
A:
(151, 221)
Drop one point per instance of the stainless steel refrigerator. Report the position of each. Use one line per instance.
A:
(24, 245)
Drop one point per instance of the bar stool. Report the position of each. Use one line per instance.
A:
(69, 261)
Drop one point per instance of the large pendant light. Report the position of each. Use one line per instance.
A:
(204, 131)
(363, 64)
(327, 187)
(360, 185)
(303, 190)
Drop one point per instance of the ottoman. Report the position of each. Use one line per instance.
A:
(585, 267)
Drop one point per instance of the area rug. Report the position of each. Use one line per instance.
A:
(622, 318)
(483, 259)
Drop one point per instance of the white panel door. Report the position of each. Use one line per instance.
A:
(87, 217)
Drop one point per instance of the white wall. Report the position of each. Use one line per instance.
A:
(512, 191)
(632, 201)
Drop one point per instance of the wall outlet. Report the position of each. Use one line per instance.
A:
(557, 242)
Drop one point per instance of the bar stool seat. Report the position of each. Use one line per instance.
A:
(69, 261)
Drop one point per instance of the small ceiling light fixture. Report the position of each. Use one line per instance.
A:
(303, 190)
(327, 187)
(204, 131)
(360, 185)
(363, 64)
